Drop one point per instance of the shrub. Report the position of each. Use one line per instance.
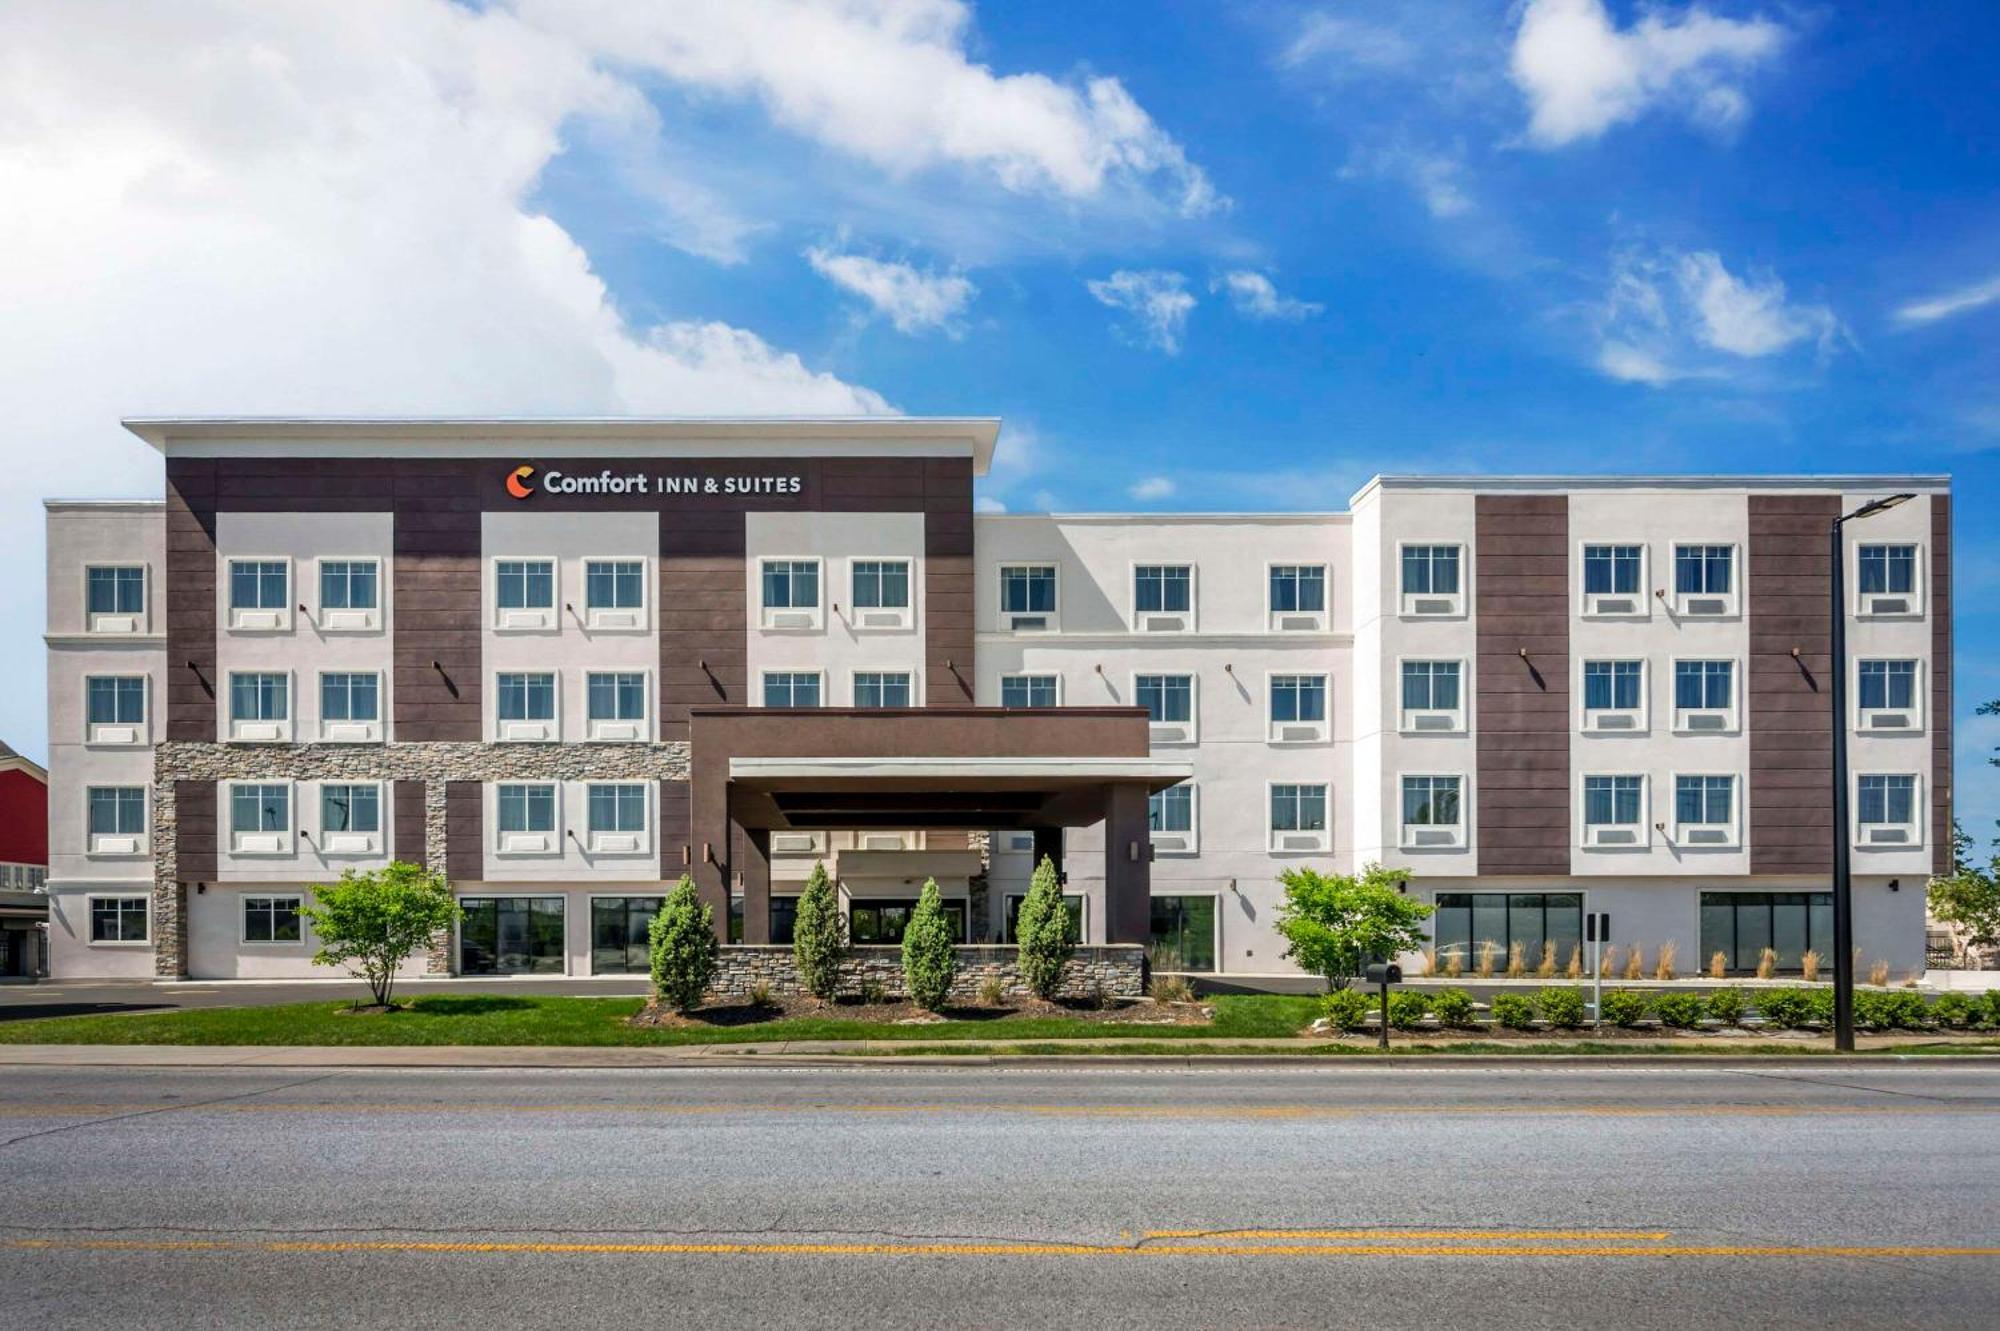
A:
(1819, 1006)
(1407, 1009)
(1488, 950)
(1680, 1010)
(1346, 1009)
(1953, 1009)
(1726, 1006)
(872, 992)
(819, 936)
(1517, 961)
(375, 921)
(1809, 965)
(1767, 963)
(1787, 1009)
(1172, 989)
(760, 994)
(1625, 1007)
(1452, 1007)
(1635, 963)
(682, 948)
(1878, 974)
(1334, 925)
(1883, 1011)
(1993, 1007)
(992, 992)
(1718, 965)
(1044, 931)
(930, 961)
(1562, 1006)
(1514, 1011)
(1663, 969)
(1546, 968)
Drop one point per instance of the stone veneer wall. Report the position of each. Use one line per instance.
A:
(432, 763)
(1116, 970)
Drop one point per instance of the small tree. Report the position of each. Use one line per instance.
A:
(377, 920)
(930, 955)
(819, 936)
(1044, 931)
(1968, 899)
(1335, 925)
(682, 948)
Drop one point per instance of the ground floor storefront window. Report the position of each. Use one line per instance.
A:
(1469, 924)
(1183, 933)
(1072, 904)
(784, 919)
(511, 936)
(881, 922)
(619, 934)
(1740, 925)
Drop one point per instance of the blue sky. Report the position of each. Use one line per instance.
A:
(1197, 255)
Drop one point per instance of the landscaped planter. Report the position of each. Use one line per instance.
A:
(1113, 970)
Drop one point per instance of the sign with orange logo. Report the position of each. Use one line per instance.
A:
(517, 482)
(521, 484)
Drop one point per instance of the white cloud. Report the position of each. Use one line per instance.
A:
(1158, 303)
(1628, 363)
(1437, 178)
(1346, 40)
(889, 81)
(1581, 75)
(1748, 316)
(1151, 489)
(1974, 297)
(1255, 297)
(1672, 315)
(913, 301)
(988, 504)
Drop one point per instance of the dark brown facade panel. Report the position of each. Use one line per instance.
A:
(465, 831)
(1942, 777)
(1788, 586)
(195, 836)
(189, 596)
(407, 817)
(1521, 803)
(704, 599)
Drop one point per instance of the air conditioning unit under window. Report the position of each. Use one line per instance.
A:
(1707, 836)
(1173, 843)
(526, 618)
(1614, 604)
(1428, 836)
(889, 618)
(1298, 621)
(349, 620)
(1431, 722)
(1704, 607)
(617, 843)
(526, 843)
(260, 732)
(518, 731)
(609, 619)
(1888, 720)
(1176, 621)
(1431, 605)
(882, 841)
(1704, 721)
(1889, 604)
(1612, 835)
(796, 843)
(117, 624)
(1298, 732)
(350, 732)
(1294, 841)
(348, 843)
(1604, 720)
(1171, 732)
(1880, 834)
(1028, 623)
(791, 619)
(106, 843)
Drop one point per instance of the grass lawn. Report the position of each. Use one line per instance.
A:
(473, 1019)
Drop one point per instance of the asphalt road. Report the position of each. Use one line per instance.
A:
(920, 1197)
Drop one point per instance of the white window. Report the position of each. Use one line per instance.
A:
(1888, 580)
(350, 706)
(1705, 810)
(792, 688)
(525, 705)
(119, 919)
(260, 706)
(526, 818)
(1028, 598)
(882, 688)
(1614, 811)
(1298, 817)
(260, 594)
(272, 919)
(1170, 816)
(114, 598)
(617, 817)
(1030, 691)
(1297, 596)
(1163, 598)
(1433, 697)
(1433, 812)
(1704, 697)
(791, 593)
(1299, 709)
(1886, 810)
(1433, 579)
(350, 819)
(615, 705)
(1705, 581)
(881, 590)
(116, 820)
(1614, 696)
(260, 818)
(1614, 581)
(1169, 701)
(1886, 697)
(114, 709)
(614, 594)
(350, 595)
(524, 594)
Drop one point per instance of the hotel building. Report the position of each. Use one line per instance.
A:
(566, 661)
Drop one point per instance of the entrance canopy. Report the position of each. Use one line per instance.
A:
(1001, 794)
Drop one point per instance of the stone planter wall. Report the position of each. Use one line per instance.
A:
(1116, 970)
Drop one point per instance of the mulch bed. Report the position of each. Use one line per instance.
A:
(1138, 1012)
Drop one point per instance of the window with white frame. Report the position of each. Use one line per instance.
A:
(1431, 580)
(881, 688)
(350, 705)
(1433, 694)
(114, 598)
(790, 593)
(1705, 580)
(1614, 810)
(119, 919)
(1614, 580)
(1885, 695)
(260, 817)
(260, 594)
(1705, 810)
(1028, 691)
(260, 705)
(524, 593)
(525, 704)
(1170, 819)
(525, 817)
(350, 594)
(115, 820)
(1297, 597)
(1298, 816)
(350, 818)
(1704, 696)
(881, 593)
(1886, 579)
(614, 593)
(615, 704)
(272, 919)
(1028, 597)
(115, 709)
(1885, 809)
(1614, 695)
(1169, 703)
(792, 688)
(1433, 811)
(1162, 597)
(615, 816)
(1298, 708)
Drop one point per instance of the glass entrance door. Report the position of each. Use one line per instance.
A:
(620, 929)
(511, 936)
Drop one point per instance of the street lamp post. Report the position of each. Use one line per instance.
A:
(1843, 879)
